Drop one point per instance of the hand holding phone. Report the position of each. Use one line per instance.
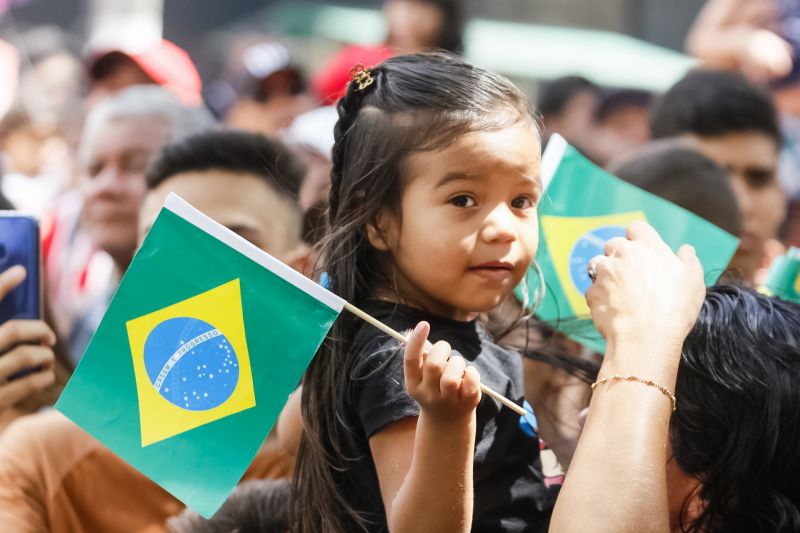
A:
(19, 245)
(26, 349)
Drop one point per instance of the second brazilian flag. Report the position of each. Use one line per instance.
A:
(582, 208)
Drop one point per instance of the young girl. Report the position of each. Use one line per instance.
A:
(433, 200)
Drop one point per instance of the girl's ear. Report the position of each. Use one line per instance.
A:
(380, 232)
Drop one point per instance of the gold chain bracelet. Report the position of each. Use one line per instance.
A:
(665, 391)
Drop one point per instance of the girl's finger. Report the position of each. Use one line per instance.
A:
(434, 365)
(21, 388)
(24, 357)
(16, 332)
(414, 353)
(10, 279)
(471, 385)
(453, 372)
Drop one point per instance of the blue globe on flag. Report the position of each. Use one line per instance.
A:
(191, 363)
(590, 244)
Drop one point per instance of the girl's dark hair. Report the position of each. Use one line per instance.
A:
(737, 427)
(419, 102)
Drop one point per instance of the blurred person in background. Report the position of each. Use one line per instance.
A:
(621, 123)
(161, 63)
(675, 170)
(311, 136)
(264, 91)
(38, 133)
(56, 477)
(36, 162)
(601, 123)
(761, 40)
(734, 123)
(412, 26)
(754, 37)
(568, 106)
(91, 241)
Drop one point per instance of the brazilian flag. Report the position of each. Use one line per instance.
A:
(192, 363)
(783, 278)
(582, 208)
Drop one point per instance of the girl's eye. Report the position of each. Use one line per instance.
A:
(523, 202)
(462, 200)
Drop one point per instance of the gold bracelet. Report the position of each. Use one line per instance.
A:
(665, 391)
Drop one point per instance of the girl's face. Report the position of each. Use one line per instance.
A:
(469, 226)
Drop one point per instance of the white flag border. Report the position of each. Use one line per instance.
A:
(551, 158)
(186, 211)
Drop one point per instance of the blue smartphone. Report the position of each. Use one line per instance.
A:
(19, 245)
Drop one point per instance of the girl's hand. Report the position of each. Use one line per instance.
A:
(444, 386)
(24, 344)
(645, 292)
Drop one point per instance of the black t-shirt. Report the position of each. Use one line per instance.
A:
(510, 494)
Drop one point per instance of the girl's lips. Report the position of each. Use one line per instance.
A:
(495, 270)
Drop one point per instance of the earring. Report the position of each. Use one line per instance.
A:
(539, 293)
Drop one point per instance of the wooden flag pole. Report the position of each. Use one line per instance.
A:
(402, 338)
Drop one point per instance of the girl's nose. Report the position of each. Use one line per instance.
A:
(500, 225)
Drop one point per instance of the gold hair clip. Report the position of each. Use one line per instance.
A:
(362, 76)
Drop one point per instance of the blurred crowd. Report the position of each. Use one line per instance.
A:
(93, 139)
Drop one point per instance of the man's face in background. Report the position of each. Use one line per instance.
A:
(112, 180)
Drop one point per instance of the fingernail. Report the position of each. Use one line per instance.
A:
(419, 327)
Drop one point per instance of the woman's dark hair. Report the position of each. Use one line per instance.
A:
(419, 102)
(737, 427)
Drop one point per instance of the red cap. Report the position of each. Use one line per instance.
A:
(330, 83)
(168, 65)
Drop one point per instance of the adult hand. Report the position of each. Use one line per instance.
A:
(645, 292)
(765, 56)
(644, 301)
(24, 344)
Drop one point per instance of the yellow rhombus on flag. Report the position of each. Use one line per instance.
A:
(178, 393)
(574, 241)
